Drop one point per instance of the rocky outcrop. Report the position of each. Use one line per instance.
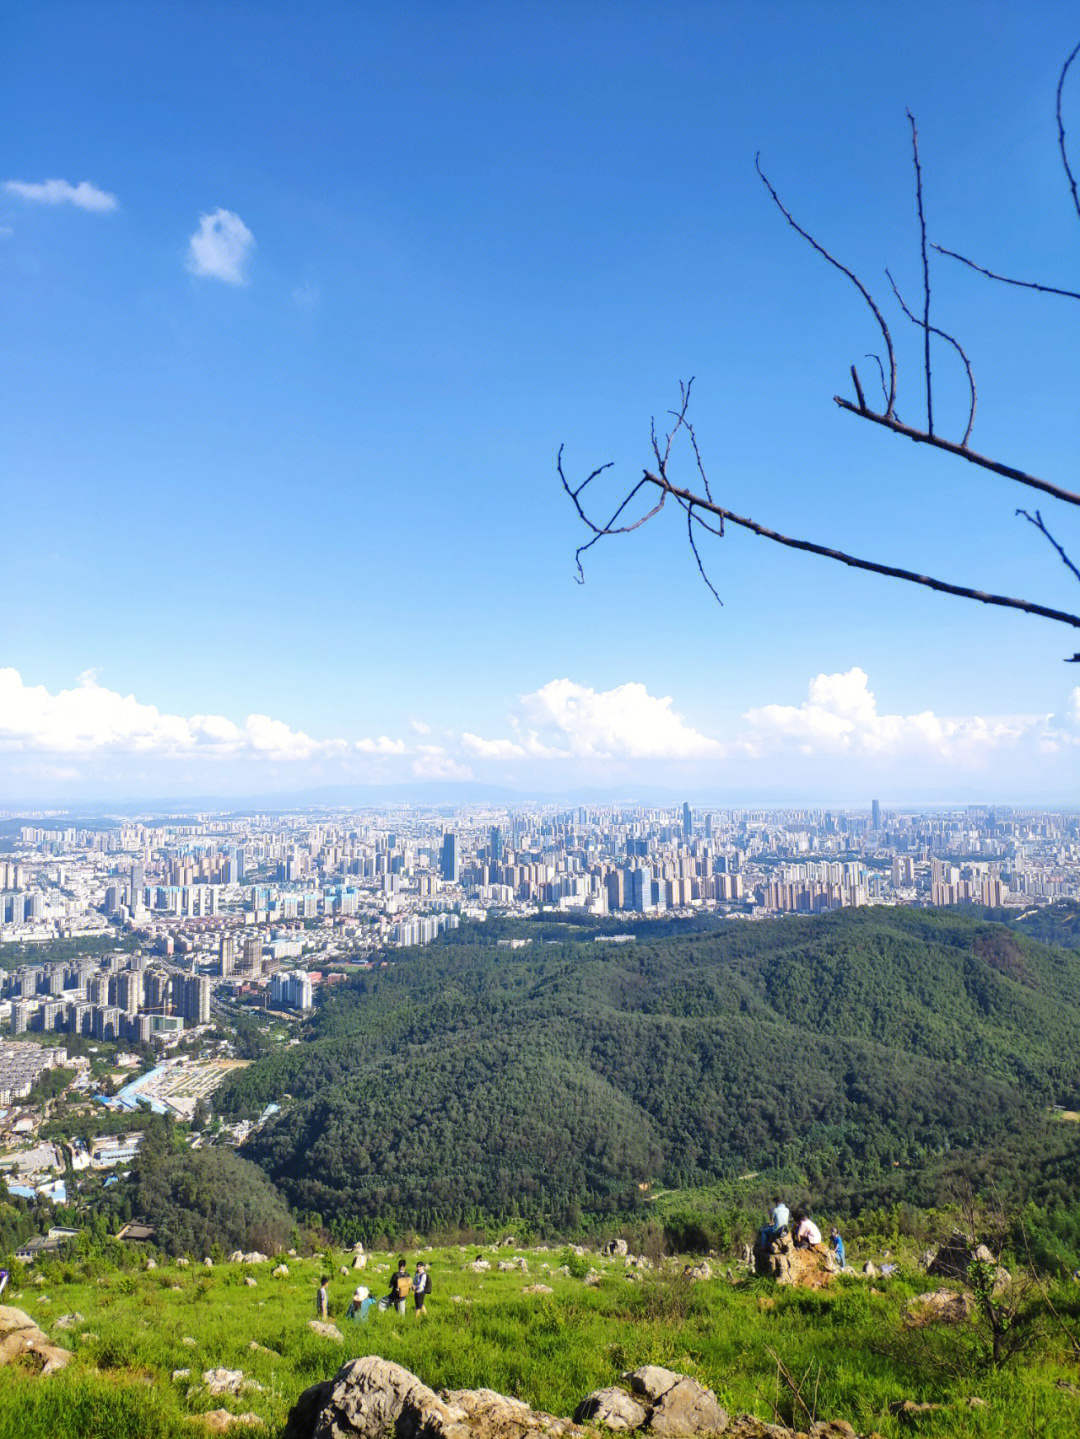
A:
(219, 1421)
(802, 1268)
(372, 1398)
(955, 1258)
(21, 1341)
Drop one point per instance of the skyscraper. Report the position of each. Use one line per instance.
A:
(450, 865)
(496, 845)
(875, 814)
(687, 821)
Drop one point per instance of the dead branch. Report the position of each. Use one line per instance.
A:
(694, 503)
(1004, 279)
(1037, 521)
(863, 291)
(927, 329)
(1061, 130)
(956, 346)
(920, 437)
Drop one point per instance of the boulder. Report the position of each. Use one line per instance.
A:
(236, 1257)
(20, 1338)
(255, 1258)
(249, 1281)
(802, 1268)
(537, 1289)
(612, 1407)
(677, 1404)
(479, 1265)
(229, 1381)
(281, 1272)
(698, 1271)
(359, 1261)
(327, 1331)
(617, 1249)
(183, 1262)
(372, 1398)
(208, 1262)
(69, 1321)
(942, 1306)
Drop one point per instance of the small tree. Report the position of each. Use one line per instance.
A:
(705, 515)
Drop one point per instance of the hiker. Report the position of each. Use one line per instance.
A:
(421, 1286)
(778, 1222)
(322, 1299)
(807, 1234)
(400, 1287)
(360, 1305)
(836, 1244)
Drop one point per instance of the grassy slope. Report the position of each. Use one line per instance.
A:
(548, 1350)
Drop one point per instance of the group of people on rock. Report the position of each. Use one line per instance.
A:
(402, 1284)
(804, 1232)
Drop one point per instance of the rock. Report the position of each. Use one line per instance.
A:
(217, 1421)
(69, 1321)
(88, 1336)
(255, 1258)
(262, 1349)
(281, 1272)
(229, 1381)
(592, 1277)
(698, 1271)
(188, 1341)
(372, 1398)
(178, 1374)
(612, 1407)
(802, 1268)
(151, 1264)
(249, 1281)
(869, 1270)
(21, 1337)
(344, 1269)
(359, 1261)
(509, 1242)
(208, 1263)
(538, 1289)
(942, 1306)
(616, 1248)
(523, 1264)
(183, 1262)
(479, 1265)
(678, 1405)
(505, 1266)
(328, 1331)
(236, 1257)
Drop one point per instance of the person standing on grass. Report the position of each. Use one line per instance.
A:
(836, 1244)
(421, 1288)
(322, 1299)
(401, 1286)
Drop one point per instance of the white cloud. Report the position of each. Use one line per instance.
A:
(432, 762)
(567, 719)
(492, 748)
(83, 196)
(419, 727)
(221, 247)
(382, 745)
(90, 719)
(840, 717)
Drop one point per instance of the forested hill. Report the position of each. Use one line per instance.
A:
(471, 1080)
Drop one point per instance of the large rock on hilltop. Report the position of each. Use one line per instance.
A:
(803, 1268)
(677, 1405)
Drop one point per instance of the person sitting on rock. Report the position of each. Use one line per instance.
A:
(836, 1244)
(807, 1234)
(778, 1222)
(360, 1305)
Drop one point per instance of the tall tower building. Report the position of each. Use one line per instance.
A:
(450, 866)
(687, 821)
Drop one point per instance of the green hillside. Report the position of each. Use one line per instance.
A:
(469, 1081)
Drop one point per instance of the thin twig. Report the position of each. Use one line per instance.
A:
(1061, 129)
(881, 372)
(956, 346)
(863, 291)
(1037, 521)
(1004, 279)
(926, 277)
(920, 437)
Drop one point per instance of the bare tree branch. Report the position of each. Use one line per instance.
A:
(920, 437)
(926, 278)
(1005, 280)
(1061, 130)
(863, 291)
(1037, 521)
(956, 346)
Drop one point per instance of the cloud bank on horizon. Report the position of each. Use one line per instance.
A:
(97, 741)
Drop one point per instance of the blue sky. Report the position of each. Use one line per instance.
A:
(303, 468)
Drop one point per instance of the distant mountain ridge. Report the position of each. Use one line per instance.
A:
(554, 1079)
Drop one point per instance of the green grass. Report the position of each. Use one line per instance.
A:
(549, 1350)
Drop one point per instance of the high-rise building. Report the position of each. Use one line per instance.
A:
(450, 866)
(687, 820)
(639, 889)
(226, 955)
(875, 814)
(194, 1002)
(129, 992)
(496, 845)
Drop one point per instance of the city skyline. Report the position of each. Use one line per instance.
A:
(300, 305)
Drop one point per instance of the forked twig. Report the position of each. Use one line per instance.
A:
(1037, 521)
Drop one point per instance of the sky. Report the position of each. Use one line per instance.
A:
(299, 302)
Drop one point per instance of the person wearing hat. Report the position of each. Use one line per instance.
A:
(359, 1306)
